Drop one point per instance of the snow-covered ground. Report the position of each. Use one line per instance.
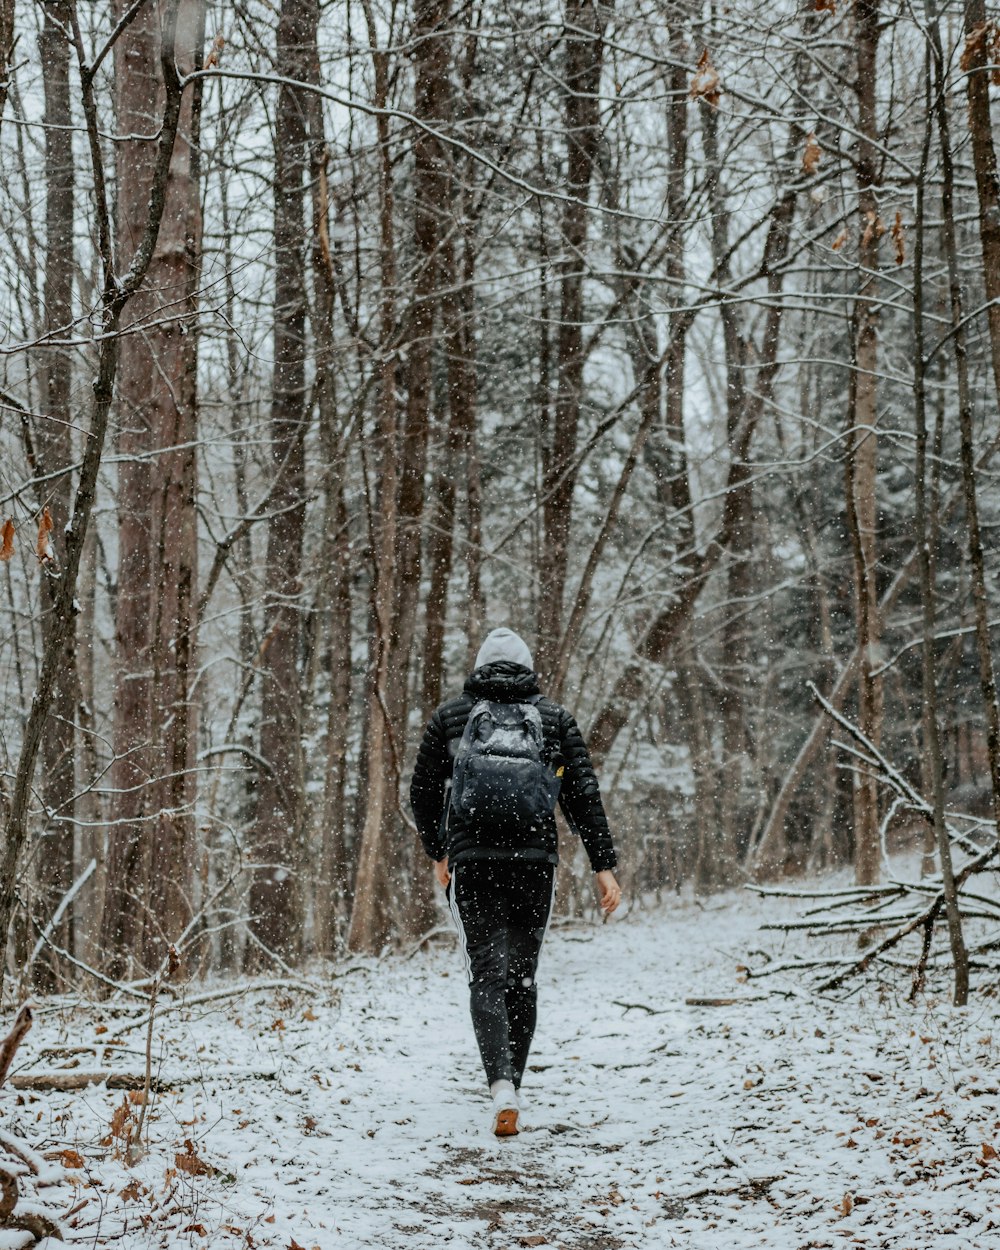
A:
(354, 1114)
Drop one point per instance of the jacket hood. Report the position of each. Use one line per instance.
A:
(503, 681)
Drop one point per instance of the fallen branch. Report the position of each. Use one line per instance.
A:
(725, 1002)
(45, 1173)
(62, 1082)
(231, 991)
(437, 931)
(64, 904)
(18, 1032)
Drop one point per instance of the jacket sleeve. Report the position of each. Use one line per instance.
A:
(580, 797)
(428, 787)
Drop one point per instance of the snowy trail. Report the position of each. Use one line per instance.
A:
(789, 1122)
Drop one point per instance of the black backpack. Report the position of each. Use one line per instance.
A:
(501, 782)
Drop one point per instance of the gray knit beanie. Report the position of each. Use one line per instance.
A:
(504, 644)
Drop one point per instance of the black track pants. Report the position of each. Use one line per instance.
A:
(501, 908)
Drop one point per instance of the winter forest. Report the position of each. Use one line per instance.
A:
(336, 333)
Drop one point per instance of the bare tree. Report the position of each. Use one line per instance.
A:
(118, 288)
(276, 896)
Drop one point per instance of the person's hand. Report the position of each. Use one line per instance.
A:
(610, 890)
(442, 873)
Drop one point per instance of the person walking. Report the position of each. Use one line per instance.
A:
(492, 765)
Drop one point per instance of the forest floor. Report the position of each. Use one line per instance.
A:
(353, 1115)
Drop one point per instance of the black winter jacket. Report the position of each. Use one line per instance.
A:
(580, 797)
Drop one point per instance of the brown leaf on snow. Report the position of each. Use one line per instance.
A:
(7, 539)
(840, 240)
(70, 1158)
(989, 1152)
(705, 83)
(533, 1239)
(846, 1205)
(826, 6)
(44, 547)
(812, 156)
(189, 1162)
(899, 237)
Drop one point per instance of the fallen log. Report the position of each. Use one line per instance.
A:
(63, 1082)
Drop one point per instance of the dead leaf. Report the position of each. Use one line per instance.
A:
(840, 240)
(7, 539)
(218, 43)
(200, 1229)
(989, 1152)
(875, 228)
(44, 546)
(974, 52)
(294, 1245)
(826, 6)
(812, 156)
(121, 1119)
(309, 1014)
(846, 1205)
(533, 1239)
(899, 237)
(133, 1191)
(70, 1158)
(189, 1162)
(705, 83)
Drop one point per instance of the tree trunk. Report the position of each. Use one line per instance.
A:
(277, 891)
(987, 676)
(585, 22)
(927, 539)
(6, 51)
(54, 455)
(332, 886)
(149, 885)
(378, 864)
(984, 163)
(861, 459)
(381, 849)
